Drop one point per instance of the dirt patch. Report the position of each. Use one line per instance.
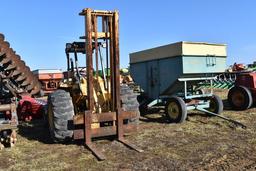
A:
(201, 143)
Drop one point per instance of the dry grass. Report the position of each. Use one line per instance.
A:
(201, 143)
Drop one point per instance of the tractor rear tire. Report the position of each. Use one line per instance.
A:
(129, 101)
(60, 116)
(216, 105)
(176, 110)
(240, 98)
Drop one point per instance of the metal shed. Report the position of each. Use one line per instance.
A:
(157, 70)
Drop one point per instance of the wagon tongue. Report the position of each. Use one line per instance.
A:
(223, 117)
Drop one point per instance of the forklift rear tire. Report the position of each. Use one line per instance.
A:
(129, 101)
(60, 116)
(240, 98)
(216, 105)
(176, 110)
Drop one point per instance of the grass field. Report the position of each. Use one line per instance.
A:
(201, 143)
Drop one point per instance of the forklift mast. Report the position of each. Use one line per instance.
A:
(102, 28)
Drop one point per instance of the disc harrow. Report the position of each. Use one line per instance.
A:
(221, 81)
(15, 69)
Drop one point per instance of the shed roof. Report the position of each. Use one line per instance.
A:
(180, 49)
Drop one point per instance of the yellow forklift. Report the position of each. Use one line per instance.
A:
(89, 104)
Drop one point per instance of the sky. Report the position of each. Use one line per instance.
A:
(39, 29)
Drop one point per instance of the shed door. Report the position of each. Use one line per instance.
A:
(210, 61)
(203, 64)
(153, 79)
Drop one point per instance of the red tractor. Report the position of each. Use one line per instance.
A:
(243, 94)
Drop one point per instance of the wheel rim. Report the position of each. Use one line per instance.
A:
(199, 92)
(238, 98)
(213, 106)
(173, 110)
(13, 137)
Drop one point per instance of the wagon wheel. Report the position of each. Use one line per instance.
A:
(240, 98)
(176, 110)
(216, 105)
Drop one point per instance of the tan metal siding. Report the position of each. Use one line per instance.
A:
(179, 49)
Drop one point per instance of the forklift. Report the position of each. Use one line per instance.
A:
(89, 105)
